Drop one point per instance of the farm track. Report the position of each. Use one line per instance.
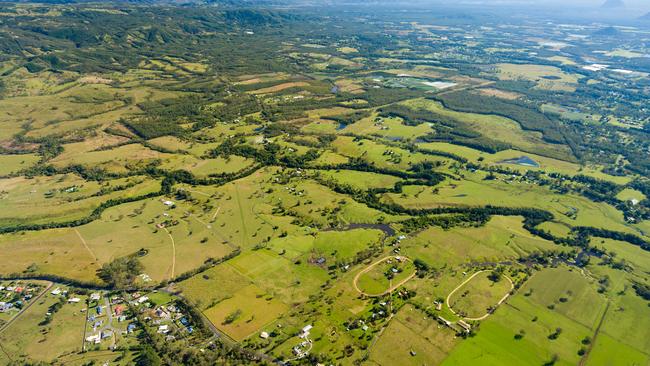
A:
(392, 287)
(173, 268)
(241, 216)
(584, 358)
(83, 241)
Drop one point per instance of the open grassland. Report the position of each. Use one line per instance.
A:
(500, 239)
(384, 276)
(62, 337)
(628, 317)
(634, 256)
(498, 128)
(360, 180)
(381, 155)
(113, 160)
(100, 141)
(569, 209)
(81, 106)
(412, 331)
(206, 167)
(62, 198)
(501, 158)
(58, 252)
(479, 295)
(245, 313)
(391, 128)
(291, 282)
(10, 164)
(213, 286)
(629, 194)
(343, 245)
(123, 230)
(546, 77)
(524, 331)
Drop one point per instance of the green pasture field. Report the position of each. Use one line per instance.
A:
(57, 251)
(638, 258)
(570, 114)
(546, 164)
(537, 74)
(257, 310)
(412, 330)
(378, 154)
(173, 251)
(62, 337)
(123, 230)
(608, 351)
(329, 158)
(213, 286)
(629, 194)
(476, 297)
(375, 282)
(291, 282)
(498, 128)
(531, 317)
(171, 143)
(500, 239)
(571, 293)
(392, 128)
(343, 245)
(206, 167)
(61, 198)
(569, 209)
(101, 140)
(315, 203)
(114, 160)
(360, 180)
(627, 318)
(556, 228)
(82, 106)
(10, 164)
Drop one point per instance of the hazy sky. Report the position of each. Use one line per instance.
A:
(590, 3)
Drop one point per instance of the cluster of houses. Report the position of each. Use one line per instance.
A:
(302, 349)
(15, 296)
(102, 331)
(163, 316)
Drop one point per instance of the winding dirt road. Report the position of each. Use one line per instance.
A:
(512, 286)
(392, 288)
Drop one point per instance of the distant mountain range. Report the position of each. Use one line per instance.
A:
(613, 4)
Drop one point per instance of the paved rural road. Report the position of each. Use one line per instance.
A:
(512, 286)
(392, 288)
